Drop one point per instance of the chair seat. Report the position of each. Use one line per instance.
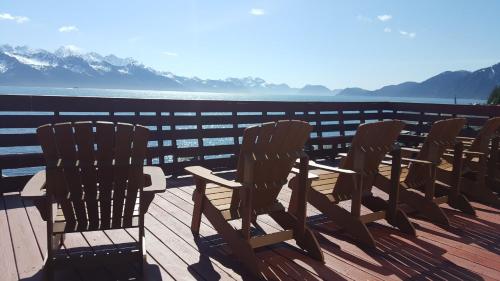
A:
(63, 226)
(385, 170)
(325, 185)
(220, 197)
(446, 165)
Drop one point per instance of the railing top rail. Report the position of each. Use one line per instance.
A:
(10, 102)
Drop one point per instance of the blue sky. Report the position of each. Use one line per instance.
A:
(339, 44)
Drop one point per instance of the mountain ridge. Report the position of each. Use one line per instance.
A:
(448, 84)
(69, 67)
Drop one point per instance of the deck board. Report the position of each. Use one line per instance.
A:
(469, 249)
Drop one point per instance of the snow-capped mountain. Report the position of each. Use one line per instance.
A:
(68, 66)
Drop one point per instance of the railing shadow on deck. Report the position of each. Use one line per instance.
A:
(396, 254)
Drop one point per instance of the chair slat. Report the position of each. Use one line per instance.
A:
(122, 153)
(380, 137)
(84, 138)
(136, 180)
(105, 139)
(274, 146)
(441, 137)
(56, 185)
(483, 138)
(67, 152)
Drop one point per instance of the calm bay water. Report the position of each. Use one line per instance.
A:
(151, 94)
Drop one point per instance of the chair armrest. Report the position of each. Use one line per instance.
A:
(207, 176)
(411, 160)
(465, 139)
(389, 163)
(310, 176)
(35, 187)
(473, 153)
(331, 169)
(416, 161)
(410, 149)
(154, 179)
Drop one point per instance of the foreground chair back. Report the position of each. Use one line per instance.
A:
(418, 179)
(478, 174)
(353, 180)
(94, 180)
(267, 155)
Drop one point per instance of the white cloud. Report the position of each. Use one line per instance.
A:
(18, 19)
(407, 34)
(170, 54)
(257, 12)
(68, 28)
(384, 17)
(387, 30)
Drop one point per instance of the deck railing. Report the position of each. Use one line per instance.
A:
(187, 132)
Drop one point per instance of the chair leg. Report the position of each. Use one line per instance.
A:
(493, 184)
(479, 192)
(402, 222)
(427, 208)
(48, 271)
(293, 204)
(142, 259)
(239, 246)
(58, 241)
(461, 203)
(307, 241)
(198, 198)
(400, 219)
(48, 268)
(351, 224)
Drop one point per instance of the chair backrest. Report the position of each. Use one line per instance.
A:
(442, 136)
(482, 140)
(274, 147)
(95, 171)
(370, 144)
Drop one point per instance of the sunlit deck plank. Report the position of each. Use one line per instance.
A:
(7, 262)
(467, 250)
(29, 260)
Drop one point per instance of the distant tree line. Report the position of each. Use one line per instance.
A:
(494, 96)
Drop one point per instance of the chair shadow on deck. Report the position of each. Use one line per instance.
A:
(467, 230)
(486, 210)
(277, 260)
(396, 254)
(102, 273)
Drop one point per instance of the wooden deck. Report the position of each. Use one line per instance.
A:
(468, 250)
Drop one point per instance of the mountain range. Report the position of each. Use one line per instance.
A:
(68, 67)
(461, 84)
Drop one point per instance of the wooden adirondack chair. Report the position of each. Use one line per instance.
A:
(418, 180)
(478, 173)
(94, 180)
(352, 182)
(266, 157)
